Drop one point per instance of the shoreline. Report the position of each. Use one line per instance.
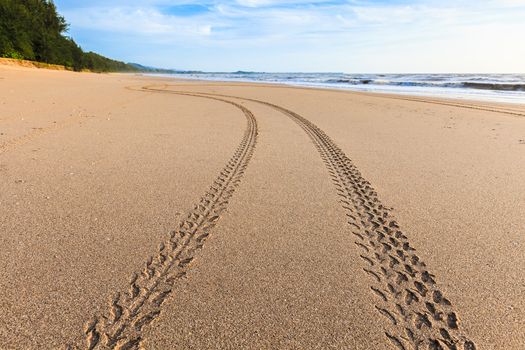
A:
(500, 107)
(477, 95)
(10, 62)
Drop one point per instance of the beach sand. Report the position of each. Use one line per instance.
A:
(141, 212)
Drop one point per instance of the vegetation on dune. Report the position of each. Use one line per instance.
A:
(97, 63)
(33, 30)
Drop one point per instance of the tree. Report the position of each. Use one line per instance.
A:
(33, 30)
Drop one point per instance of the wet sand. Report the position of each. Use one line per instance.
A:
(145, 212)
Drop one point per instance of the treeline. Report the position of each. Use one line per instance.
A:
(33, 30)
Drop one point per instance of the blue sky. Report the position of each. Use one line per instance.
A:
(314, 35)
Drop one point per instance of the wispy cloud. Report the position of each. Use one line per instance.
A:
(146, 21)
(321, 35)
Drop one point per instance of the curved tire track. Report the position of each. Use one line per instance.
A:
(36, 132)
(480, 107)
(419, 315)
(127, 313)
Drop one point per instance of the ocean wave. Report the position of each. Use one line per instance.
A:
(436, 83)
(494, 86)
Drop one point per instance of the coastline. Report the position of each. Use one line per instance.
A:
(517, 108)
(97, 173)
(416, 86)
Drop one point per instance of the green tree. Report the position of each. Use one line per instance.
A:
(34, 30)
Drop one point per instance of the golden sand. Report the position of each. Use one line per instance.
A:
(164, 214)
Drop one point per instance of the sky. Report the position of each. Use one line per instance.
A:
(350, 36)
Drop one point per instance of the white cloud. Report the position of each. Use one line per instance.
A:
(267, 3)
(144, 21)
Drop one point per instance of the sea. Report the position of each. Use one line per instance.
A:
(509, 88)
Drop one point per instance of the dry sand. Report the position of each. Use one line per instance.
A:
(334, 219)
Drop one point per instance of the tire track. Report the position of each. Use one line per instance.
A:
(127, 313)
(480, 107)
(407, 295)
(418, 314)
(36, 132)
